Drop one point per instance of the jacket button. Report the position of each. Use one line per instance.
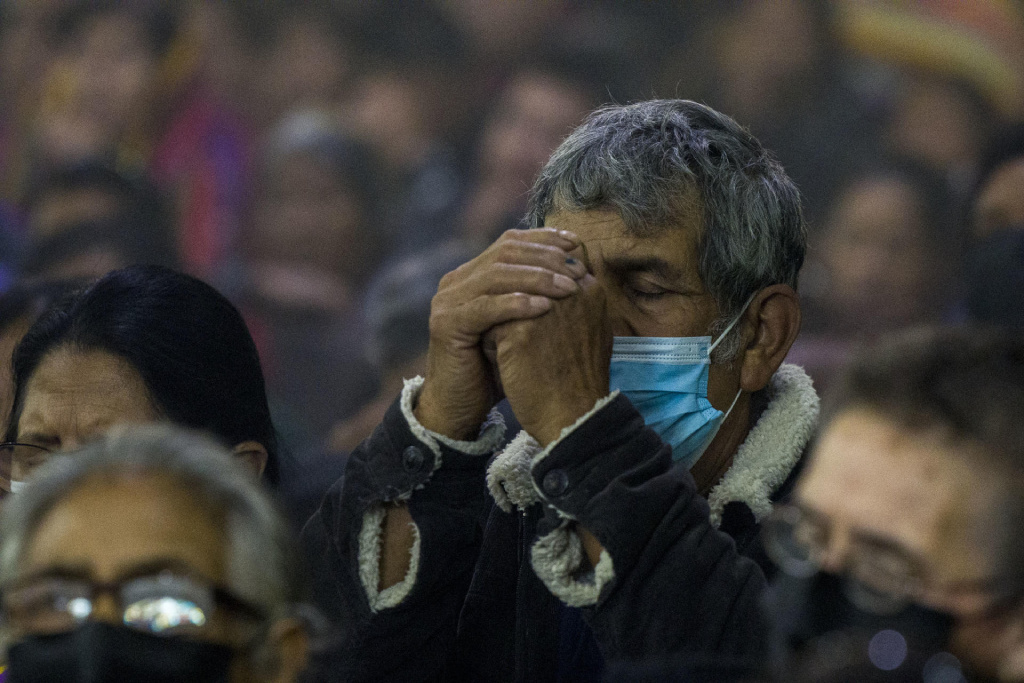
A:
(555, 483)
(413, 459)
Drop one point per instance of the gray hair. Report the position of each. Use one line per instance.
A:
(262, 560)
(649, 161)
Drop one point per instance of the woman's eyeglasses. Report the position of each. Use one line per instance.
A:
(165, 603)
(17, 461)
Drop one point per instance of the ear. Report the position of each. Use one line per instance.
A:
(253, 454)
(774, 318)
(289, 641)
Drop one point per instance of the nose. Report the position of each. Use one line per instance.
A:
(617, 318)
(104, 608)
(69, 442)
(834, 556)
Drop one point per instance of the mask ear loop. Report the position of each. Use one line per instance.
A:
(720, 338)
(732, 324)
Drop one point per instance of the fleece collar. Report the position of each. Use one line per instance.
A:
(761, 464)
(773, 447)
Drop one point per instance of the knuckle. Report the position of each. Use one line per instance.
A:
(446, 280)
(514, 234)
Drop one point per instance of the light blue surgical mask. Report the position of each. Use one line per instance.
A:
(666, 379)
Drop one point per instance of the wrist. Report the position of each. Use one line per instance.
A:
(555, 420)
(436, 417)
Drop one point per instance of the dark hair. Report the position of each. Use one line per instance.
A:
(934, 200)
(158, 19)
(187, 341)
(140, 227)
(966, 380)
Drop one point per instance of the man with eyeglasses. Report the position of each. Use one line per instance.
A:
(148, 556)
(907, 525)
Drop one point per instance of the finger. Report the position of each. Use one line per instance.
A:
(579, 259)
(546, 256)
(483, 313)
(506, 278)
(564, 239)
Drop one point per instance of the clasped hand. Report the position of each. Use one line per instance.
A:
(545, 316)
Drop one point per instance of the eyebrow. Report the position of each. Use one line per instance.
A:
(37, 438)
(157, 565)
(60, 571)
(147, 568)
(878, 542)
(624, 265)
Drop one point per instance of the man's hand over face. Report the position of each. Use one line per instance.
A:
(517, 278)
(554, 367)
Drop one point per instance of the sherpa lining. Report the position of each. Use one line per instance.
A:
(371, 540)
(773, 447)
(492, 431)
(371, 535)
(556, 559)
(509, 477)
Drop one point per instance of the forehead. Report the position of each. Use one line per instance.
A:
(78, 393)
(870, 475)
(607, 238)
(111, 524)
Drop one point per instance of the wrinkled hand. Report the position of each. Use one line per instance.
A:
(517, 278)
(554, 367)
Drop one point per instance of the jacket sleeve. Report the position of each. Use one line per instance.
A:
(405, 632)
(667, 581)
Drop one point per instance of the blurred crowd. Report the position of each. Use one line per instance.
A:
(319, 166)
(324, 162)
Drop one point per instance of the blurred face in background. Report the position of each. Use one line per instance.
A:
(879, 257)
(532, 117)
(534, 114)
(767, 53)
(1000, 204)
(22, 47)
(387, 113)
(62, 208)
(499, 29)
(883, 501)
(102, 83)
(936, 124)
(309, 216)
(119, 527)
(306, 68)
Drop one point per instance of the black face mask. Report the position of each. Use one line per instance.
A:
(822, 629)
(98, 653)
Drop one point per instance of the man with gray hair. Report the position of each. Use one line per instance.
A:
(637, 331)
(151, 556)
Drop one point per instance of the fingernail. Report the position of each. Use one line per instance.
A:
(571, 236)
(565, 284)
(539, 302)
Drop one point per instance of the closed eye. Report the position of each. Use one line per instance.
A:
(645, 292)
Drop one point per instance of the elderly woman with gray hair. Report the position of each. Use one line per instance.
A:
(150, 556)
